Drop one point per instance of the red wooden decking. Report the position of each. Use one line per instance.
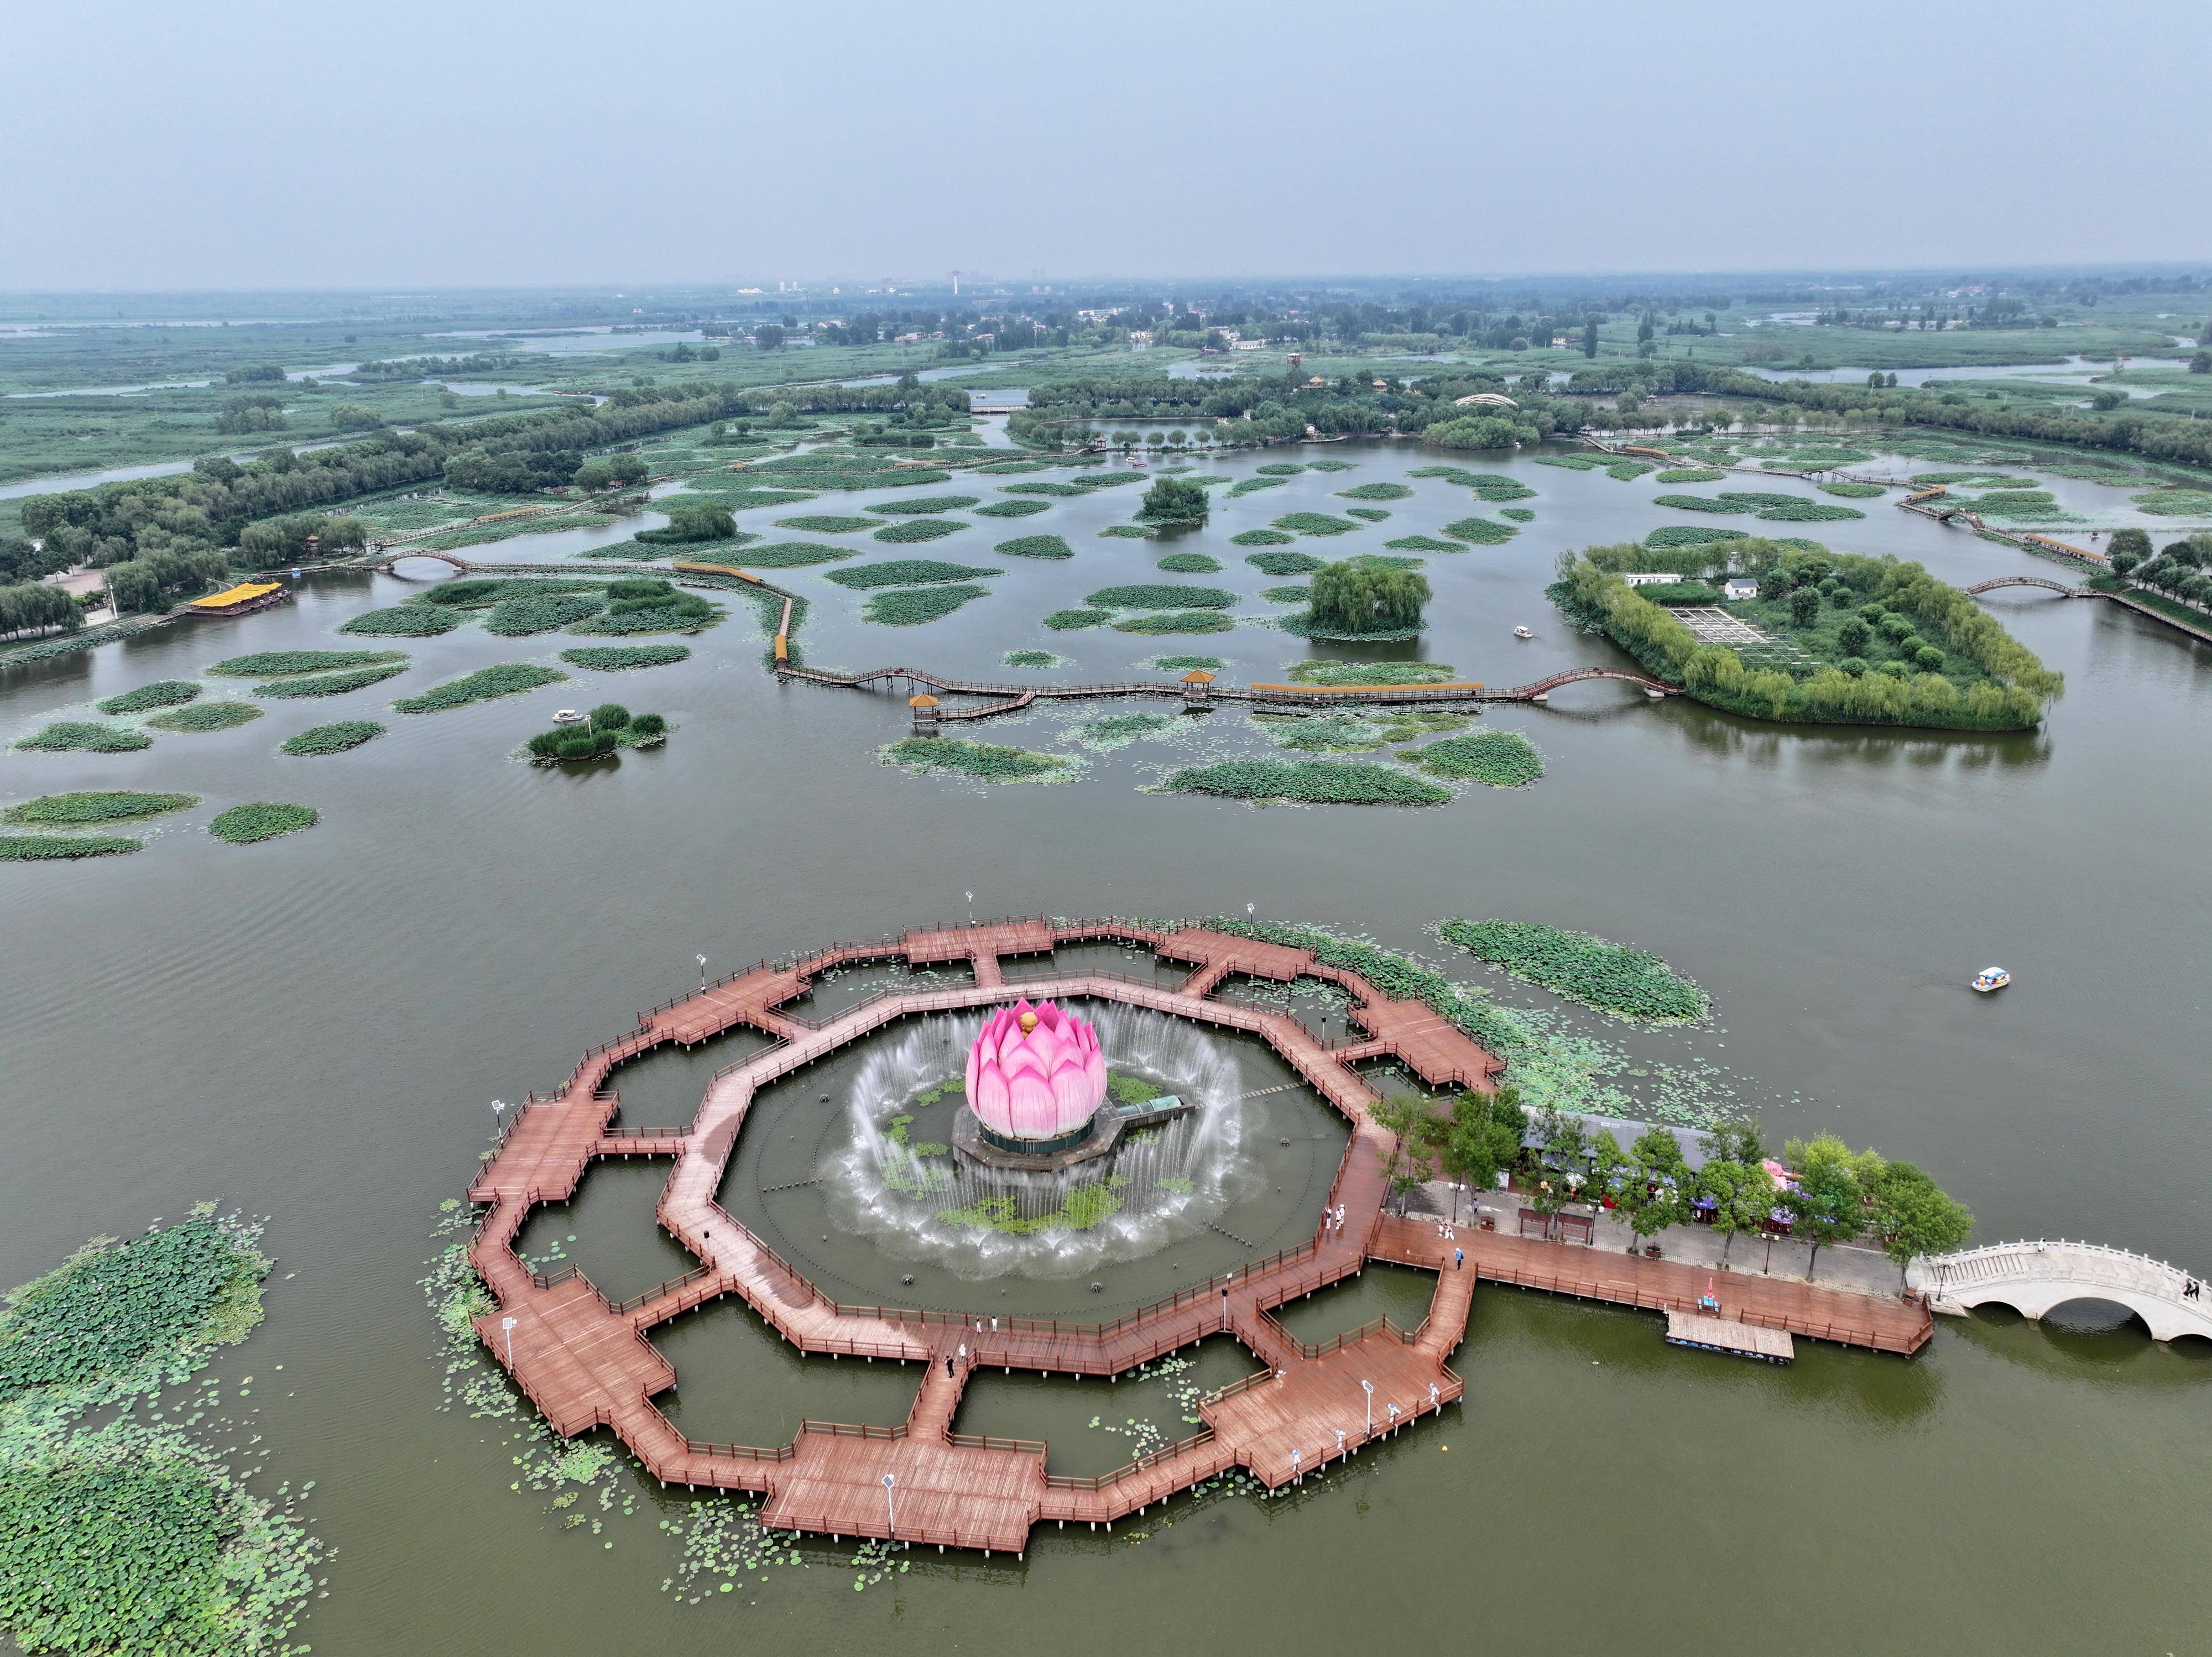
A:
(1885, 1323)
(586, 1361)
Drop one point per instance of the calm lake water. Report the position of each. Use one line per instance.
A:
(312, 1029)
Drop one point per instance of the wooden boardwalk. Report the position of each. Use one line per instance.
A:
(1884, 1324)
(586, 1361)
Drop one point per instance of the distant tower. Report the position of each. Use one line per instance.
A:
(955, 284)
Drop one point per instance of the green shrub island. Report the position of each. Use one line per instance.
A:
(1340, 675)
(828, 524)
(1423, 543)
(243, 825)
(1853, 491)
(791, 555)
(162, 693)
(906, 573)
(1174, 501)
(1855, 639)
(516, 618)
(1482, 531)
(330, 684)
(647, 604)
(1159, 623)
(132, 1536)
(912, 606)
(85, 810)
(1502, 759)
(618, 658)
(1067, 621)
(1366, 514)
(1261, 538)
(332, 739)
(927, 504)
(507, 679)
(1308, 782)
(920, 529)
(1518, 515)
(1487, 486)
(610, 725)
(1036, 546)
(1693, 475)
(708, 520)
(984, 760)
(1187, 664)
(1253, 485)
(1296, 593)
(408, 620)
(60, 848)
(1131, 532)
(1013, 509)
(1691, 535)
(1613, 978)
(205, 716)
(1162, 595)
(1284, 563)
(1032, 659)
(284, 663)
(1189, 563)
(1315, 523)
(85, 736)
(1376, 492)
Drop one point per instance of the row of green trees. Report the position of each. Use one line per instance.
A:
(1840, 1195)
(34, 607)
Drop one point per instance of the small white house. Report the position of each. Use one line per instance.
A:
(1648, 578)
(1738, 587)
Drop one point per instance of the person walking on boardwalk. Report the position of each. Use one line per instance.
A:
(1459, 1259)
(948, 1366)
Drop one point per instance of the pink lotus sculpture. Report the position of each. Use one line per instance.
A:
(1034, 1072)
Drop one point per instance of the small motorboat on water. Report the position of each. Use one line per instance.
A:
(1991, 978)
(569, 716)
(1522, 632)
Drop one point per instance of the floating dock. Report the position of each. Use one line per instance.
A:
(1743, 1340)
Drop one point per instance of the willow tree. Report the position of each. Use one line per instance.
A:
(1355, 598)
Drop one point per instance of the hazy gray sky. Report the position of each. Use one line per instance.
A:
(402, 142)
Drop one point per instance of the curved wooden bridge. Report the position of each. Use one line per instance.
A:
(584, 1359)
(1007, 698)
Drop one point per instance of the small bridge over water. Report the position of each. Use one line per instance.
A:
(2034, 1278)
(2045, 582)
(1009, 698)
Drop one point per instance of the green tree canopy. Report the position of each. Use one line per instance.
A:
(1353, 597)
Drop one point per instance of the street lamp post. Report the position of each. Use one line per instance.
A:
(890, 1503)
(703, 974)
(507, 1327)
(1368, 1388)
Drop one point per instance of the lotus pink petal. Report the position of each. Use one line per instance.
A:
(1037, 1084)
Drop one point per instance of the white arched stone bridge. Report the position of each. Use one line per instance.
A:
(2032, 1278)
